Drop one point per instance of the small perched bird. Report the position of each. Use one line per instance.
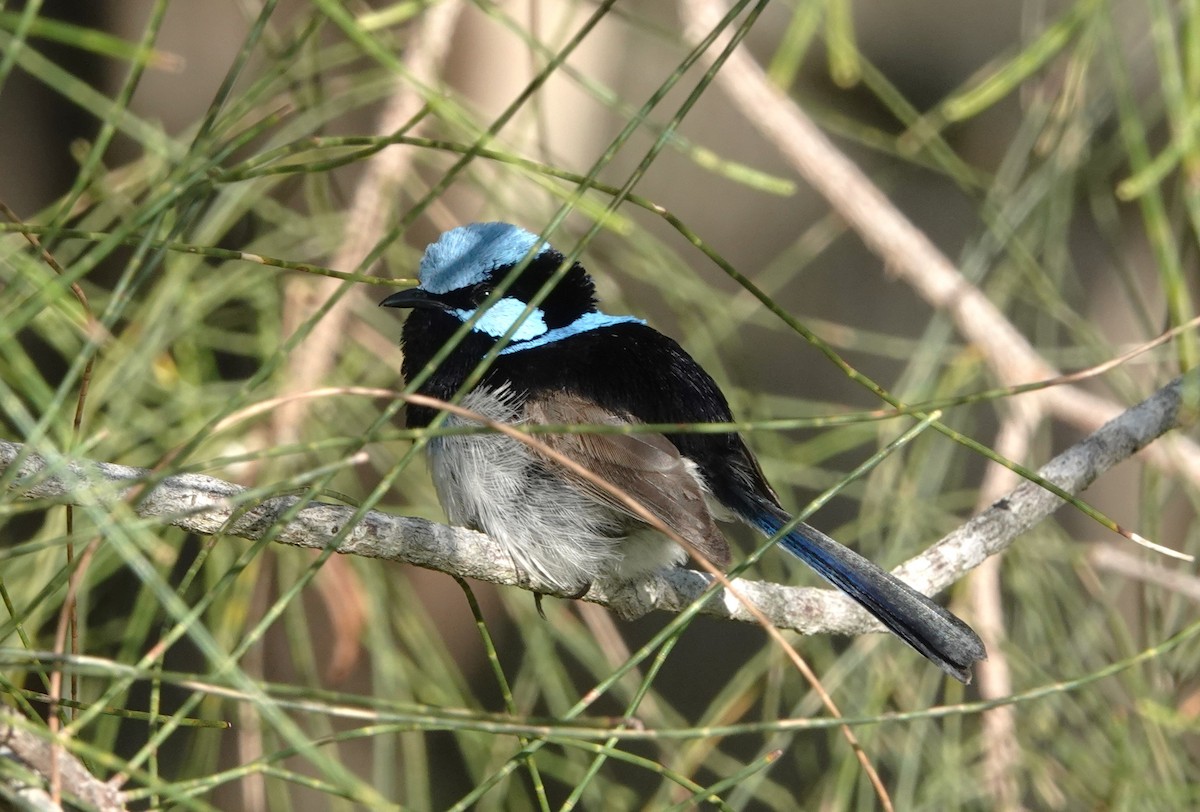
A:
(569, 363)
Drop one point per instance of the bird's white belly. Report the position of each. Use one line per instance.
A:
(558, 536)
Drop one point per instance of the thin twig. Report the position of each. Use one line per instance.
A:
(1001, 754)
(68, 618)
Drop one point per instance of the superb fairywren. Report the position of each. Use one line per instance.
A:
(568, 363)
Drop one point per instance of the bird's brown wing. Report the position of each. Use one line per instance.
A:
(648, 467)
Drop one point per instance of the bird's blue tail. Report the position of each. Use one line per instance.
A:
(914, 618)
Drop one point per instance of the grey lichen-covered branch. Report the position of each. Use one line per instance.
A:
(20, 742)
(207, 505)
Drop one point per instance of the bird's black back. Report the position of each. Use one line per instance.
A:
(629, 369)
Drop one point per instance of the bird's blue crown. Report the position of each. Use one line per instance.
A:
(471, 254)
(467, 255)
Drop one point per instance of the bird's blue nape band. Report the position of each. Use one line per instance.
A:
(499, 318)
(466, 255)
(585, 323)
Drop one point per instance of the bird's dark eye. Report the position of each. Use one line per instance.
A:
(480, 294)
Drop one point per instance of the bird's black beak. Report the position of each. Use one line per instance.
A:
(414, 297)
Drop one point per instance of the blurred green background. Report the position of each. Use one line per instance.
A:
(196, 168)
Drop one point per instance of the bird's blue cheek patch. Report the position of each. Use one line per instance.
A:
(502, 315)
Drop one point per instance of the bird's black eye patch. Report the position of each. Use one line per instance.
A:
(479, 293)
(468, 298)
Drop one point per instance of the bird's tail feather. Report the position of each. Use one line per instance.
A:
(914, 618)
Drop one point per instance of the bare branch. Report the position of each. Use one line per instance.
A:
(366, 222)
(1136, 567)
(207, 505)
(994, 529)
(35, 751)
(905, 250)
